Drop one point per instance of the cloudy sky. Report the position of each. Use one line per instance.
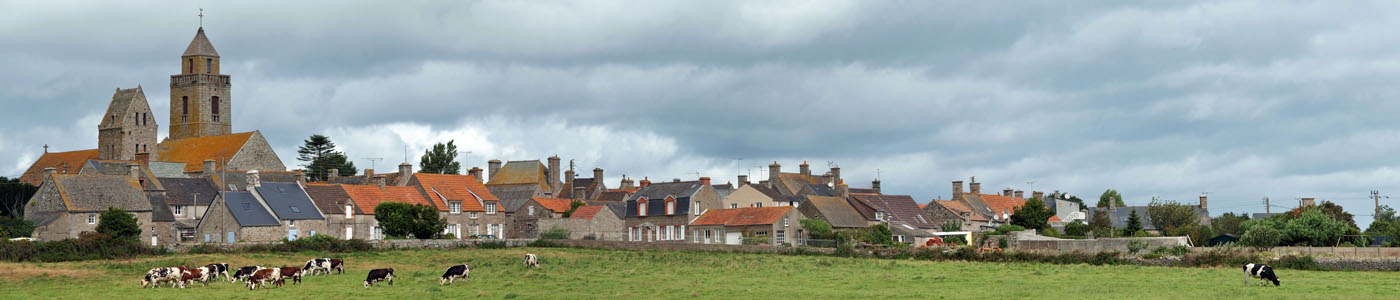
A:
(1239, 99)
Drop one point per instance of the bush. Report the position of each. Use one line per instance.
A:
(1001, 243)
(1172, 251)
(1219, 257)
(818, 229)
(1033, 214)
(1050, 232)
(954, 240)
(1004, 229)
(402, 219)
(1261, 237)
(119, 224)
(1296, 263)
(15, 227)
(555, 233)
(88, 246)
(877, 234)
(1077, 228)
(1136, 245)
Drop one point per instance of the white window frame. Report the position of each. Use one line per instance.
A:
(681, 233)
(455, 207)
(476, 229)
(349, 211)
(671, 207)
(490, 208)
(92, 219)
(758, 204)
(292, 223)
(632, 234)
(472, 215)
(179, 210)
(780, 237)
(532, 210)
(733, 205)
(785, 221)
(641, 208)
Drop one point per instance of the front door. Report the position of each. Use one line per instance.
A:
(349, 232)
(291, 234)
(708, 235)
(231, 238)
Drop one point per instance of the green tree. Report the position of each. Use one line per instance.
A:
(1111, 195)
(402, 219)
(14, 195)
(1077, 228)
(1382, 222)
(573, 206)
(1134, 224)
(119, 224)
(441, 159)
(1169, 215)
(1261, 237)
(951, 225)
(1033, 214)
(1314, 228)
(878, 234)
(1337, 212)
(1102, 224)
(818, 229)
(1228, 223)
(12, 227)
(320, 155)
(1076, 199)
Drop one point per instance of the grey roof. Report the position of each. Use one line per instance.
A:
(723, 189)
(821, 190)
(329, 198)
(120, 104)
(235, 180)
(189, 191)
(510, 205)
(200, 45)
(835, 210)
(901, 207)
(616, 206)
(43, 218)
(160, 210)
(168, 169)
(659, 191)
(512, 192)
(248, 211)
(86, 192)
(288, 201)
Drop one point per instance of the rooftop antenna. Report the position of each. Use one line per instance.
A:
(571, 164)
(201, 17)
(877, 173)
(697, 174)
(372, 160)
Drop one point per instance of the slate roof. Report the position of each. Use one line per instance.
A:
(451, 187)
(614, 195)
(160, 209)
(959, 207)
(511, 205)
(743, 216)
(248, 211)
(189, 191)
(555, 204)
(521, 172)
(389, 179)
(861, 191)
(794, 182)
(238, 179)
(200, 45)
(567, 192)
(821, 190)
(167, 169)
(724, 189)
(837, 212)
(95, 193)
(330, 198)
(366, 197)
(288, 201)
(66, 162)
(120, 168)
(1122, 213)
(901, 208)
(587, 212)
(656, 193)
(616, 207)
(513, 192)
(119, 106)
(193, 151)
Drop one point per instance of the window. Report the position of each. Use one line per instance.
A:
(472, 215)
(179, 210)
(209, 65)
(348, 212)
(377, 233)
(92, 218)
(880, 215)
(456, 207)
(733, 205)
(532, 210)
(291, 222)
(184, 108)
(780, 237)
(670, 206)
(476, 229)
(191, 65)
(296, 210)
(642, 207)
(758, 204)
(760, 233)
(490, 208)
(666, 233)
(785, 221)
(632, 234)
(696, 234)
(681, 233)
(214, 108)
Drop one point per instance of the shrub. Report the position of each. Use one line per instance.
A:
(1004, 229)
(1001, 243)
(1261, 237)
(1050, 232)
(1033, 214)
(951, 225)
(1077, 228)
(119, 224)
(403, 219)
(88, 246)
(954, 240)
(1218, 257)
(1136, 245)
(1296, 263)
(1172, 251)
(877, 234)
(555, 233)
(818, 229)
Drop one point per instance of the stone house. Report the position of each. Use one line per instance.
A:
(525, 215)
(944, 211)
(189, 199)
(900, 212)
(292, 207)
(67, 205)
(468, 205)
(589, 223)
(344, 219)
(734, 226)
(835, 210)
(361, 221)
(991, 209)
(525, 176)
(239, 217)
(660, 212)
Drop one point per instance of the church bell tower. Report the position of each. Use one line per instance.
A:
(200, 104)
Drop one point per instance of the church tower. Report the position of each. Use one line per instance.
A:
(199, 96)
(128, 127)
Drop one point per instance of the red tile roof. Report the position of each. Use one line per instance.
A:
(587, 212)
(194, 151)
(73, 160)
(1054, 219)
(366, 197)
(959, 207)
(454, 188)
(743, 216)
(554, 204)
(1000, 204)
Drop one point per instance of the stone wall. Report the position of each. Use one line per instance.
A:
(664, 246)
(256, 155)
(377, 244)
(1361, 252)
(1094, 245)
(598, 228)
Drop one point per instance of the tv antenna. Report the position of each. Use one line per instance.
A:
(372, 160)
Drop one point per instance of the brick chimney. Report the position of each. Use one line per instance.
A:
(144, 158)
(774, 170)
(301, 177)
(1038, 195)
(210, 167)
(1021, 194)
(1203, 202)
(405, 170)
(675, 180)
(957, 190)
(836, 176)
(645, 182)
(492, 166)
(598, 175)
(804, 169)
(705, 180)
(475, 172)
(253, 180)
(332, 173)
(743, 180)
(554, 174)
(875, 185)
(975, 187)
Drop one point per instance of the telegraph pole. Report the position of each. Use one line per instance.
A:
(1375, 194)
(1266, 206)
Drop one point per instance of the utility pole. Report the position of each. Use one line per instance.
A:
(1266, 206)
(1375, 194)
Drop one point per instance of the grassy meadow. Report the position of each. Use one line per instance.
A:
(617, 274)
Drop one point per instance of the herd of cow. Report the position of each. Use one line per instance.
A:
(258, 276)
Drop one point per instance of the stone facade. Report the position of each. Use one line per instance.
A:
(605, 226)
(219, 222)
(200, 100)
(940, 215)
(128, 128)
(257, 154)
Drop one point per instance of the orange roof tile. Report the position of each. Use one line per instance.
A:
(72, 160)
(554, 204)
(999, 203)
(194, 151)
(367, 197)
(1054, 219)
(521, 172)
(454, 187)
(959, 207)
(742, 216)
(587, 212)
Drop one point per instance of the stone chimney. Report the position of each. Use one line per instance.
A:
(1022, 195)
(253, 180)
(332, 173)
(975, 187)
(134, 170)
(743, 180)
(805, 169)
(836, 176)
(48, 172)
(626, 183)
(301, 177)
(1308, 202)
(1007, 192)
(705, 180)
(598, 175)
(1203, 202)
(492, 166)
(369, 173)
(842, 190)
(957, 190)
(578, 193)
(875, 185)
(568, 178)
(405, 170)
(675, 180)
(645, 182)
(379, 181)
(554, 174)
(144, 158)
(774, 170)
(1038, 195)
(210, 167)
(475, 172)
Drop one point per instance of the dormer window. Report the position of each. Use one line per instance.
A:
(490, 208)
(642, 207)
(455, 207)
(349, 212)
(532, 210)
(670, 206)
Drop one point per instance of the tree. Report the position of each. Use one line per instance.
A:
(441, 159)
(1102, 224)
(1314, 228)
(1170, 215)
(1134, 224)
(402, 219)
(1113, 195)
(14, 227)
(1261, 237)
(951, 225)
(320, 154)
(1337, 212)
(1033, 214)
(818, 229)
(1076, 199)
(573, 206)
(119, 224)
(1228, 223)
(878, 234)
(1077, 228)
(14, 195)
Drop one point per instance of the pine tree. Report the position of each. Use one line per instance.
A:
(1134, 224)
(441, 159)
(320, 155)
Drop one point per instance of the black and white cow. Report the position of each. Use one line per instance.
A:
(377, 275)
(316, 265)
(218, 269)
(1265, 273)
(463, 271)
(532, 261)
(245, 272)
(157, 276)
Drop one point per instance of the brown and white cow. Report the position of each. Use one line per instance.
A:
(338, 265)
(200, 274)
(157, 276)
(262, 277)
(289, 272)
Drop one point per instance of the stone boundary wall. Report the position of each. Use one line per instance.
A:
(1097, 245)
(674, 246)
(377, 244)
(1356, 252)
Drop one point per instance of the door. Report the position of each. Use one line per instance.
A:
(153, 241)
(349, 232)
(291, 234)
(206, 237)
(733, 238)
(709, 235)
(231, 238)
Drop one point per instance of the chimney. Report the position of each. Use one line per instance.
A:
(492, 166)
(568, 178)
(1203, 202)
(1007, 192)
(210, 167)
(134, 170)
(1022, 195)
(578, 193)
(554, 174)
(476, 173)
(843, 191)
(301, 177)
(48, 172)
(645, 182)
(805, 169)
(253, 180)
(1308, 202)
(405, 170)
(379, 181)
(369, 173)
(773, 171)
(332, 173)
(743, 180)
(598, 175)
(674, 180)
(705, 180)
(1038, 195)
(836, 176)
(1113, 204)
(626, 183)
(975, 187)
(875, 185)
(144, 158)
(957, 190)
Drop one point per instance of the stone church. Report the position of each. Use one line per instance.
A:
(200, 128)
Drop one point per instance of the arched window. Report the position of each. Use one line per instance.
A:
(214, 107)
(642, 207)
(670, 206)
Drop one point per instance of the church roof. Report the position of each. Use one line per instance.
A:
(66, 162)
(120, 105)
(193, 151)
(200, 46)
(521, 172)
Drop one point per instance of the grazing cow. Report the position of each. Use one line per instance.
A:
(532, 261)
(338, 265)
(262, 277)
(377, 275)
(317, 265)
(245, 272)
(217, 269)
(290, 272)
(1265, 273)
(463, 270)
(155, 277)
(200, 274)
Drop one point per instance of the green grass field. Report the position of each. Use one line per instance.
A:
(615, 274)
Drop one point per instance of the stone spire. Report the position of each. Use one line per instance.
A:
(200, 46)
